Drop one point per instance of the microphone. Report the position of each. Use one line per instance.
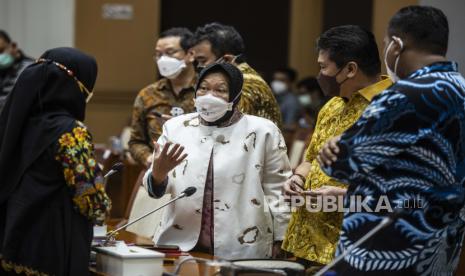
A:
(186, 193)
(114, 169)
(189, 191)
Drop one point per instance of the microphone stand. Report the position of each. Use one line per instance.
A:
(111, 234)
(116, 168)
(385, 222)
(443, 196)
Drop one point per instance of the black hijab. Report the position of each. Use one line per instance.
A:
(45, 102)
(235, 81)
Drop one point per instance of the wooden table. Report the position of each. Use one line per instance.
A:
(193, 269)
(188, 269)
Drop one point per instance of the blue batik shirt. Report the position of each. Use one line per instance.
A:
(406, 151)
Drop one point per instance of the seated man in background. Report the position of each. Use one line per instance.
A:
(234, 160)
(172, 95)
(350, 73)
(283, 89)
(215, 42)
(12, 63)
(311, 99)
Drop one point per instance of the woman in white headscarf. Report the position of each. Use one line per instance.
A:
(238, 164)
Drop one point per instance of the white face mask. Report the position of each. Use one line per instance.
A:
(393, 74)
(212, 108)
(170, 67)
(278, 87)
(305, 100)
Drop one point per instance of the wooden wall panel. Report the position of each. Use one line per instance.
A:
(264, 26)
(123, 49)
(305, 27)
(382, 13)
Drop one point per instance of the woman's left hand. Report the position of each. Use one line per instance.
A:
(166, 159)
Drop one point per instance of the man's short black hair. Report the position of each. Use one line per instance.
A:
(426, 26)
(351, 43)
(4, 35)
(187, 37)
(289, 72)
(224, 39)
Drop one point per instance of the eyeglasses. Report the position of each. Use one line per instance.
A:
(202, 90)
(70, 73)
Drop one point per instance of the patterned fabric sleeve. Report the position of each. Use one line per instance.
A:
(83, 175)
(156, 191)
(386, 128)
(257, 98)
(138, 141)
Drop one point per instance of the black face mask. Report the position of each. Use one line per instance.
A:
(199, 69)
(329, 84)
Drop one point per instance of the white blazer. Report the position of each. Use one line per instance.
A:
(249, 163)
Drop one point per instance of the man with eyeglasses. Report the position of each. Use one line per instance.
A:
(172, 95)
(215, 42)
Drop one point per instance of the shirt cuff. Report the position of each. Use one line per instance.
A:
(158, 190)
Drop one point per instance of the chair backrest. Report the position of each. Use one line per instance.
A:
(143, 204)
(296, 153)
(289, 136)
(299, 145)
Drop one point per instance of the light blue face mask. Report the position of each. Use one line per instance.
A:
(6, 60)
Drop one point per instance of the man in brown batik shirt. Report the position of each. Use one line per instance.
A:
(170, 96)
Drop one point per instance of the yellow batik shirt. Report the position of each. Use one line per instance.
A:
(257, 98)
(314, 235)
